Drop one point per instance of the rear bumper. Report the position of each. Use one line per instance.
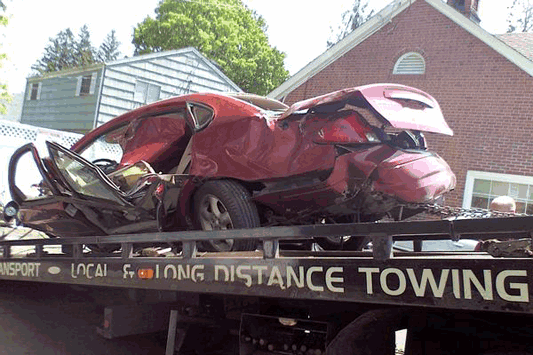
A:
(377, 179)
(417, 177)
(372, 180)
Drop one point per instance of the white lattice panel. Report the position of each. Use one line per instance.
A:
(10, 130)
(27, 133)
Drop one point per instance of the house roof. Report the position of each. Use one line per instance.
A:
(522, 42)
(171, 53)
(138, 58)
(381, 19)
(71, 71)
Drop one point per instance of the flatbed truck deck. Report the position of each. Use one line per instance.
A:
(303, 301)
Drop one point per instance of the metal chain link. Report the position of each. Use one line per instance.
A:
(466, 213)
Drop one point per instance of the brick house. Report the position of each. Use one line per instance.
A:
(483, 83)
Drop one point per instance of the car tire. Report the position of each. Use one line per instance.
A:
(343, 243)
(221, 205)
(356, 243)
(103, 248)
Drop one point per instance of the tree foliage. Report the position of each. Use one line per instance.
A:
(65, 51)
(351, 19)
(5, 97)
(84, 51)
(225, 31)
(59, 54)
(520, 17)
(109, 48)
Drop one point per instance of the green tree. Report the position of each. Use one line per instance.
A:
(225, 31)
(351, 19)
(59, 54)
(84, 52)
(5, 97)
(109, 48)
(520, 17)
(65, 51)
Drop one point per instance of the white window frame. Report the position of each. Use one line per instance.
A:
(91, 87)
(149, 86)
(30, 90)
(397, 69)
(471, 175)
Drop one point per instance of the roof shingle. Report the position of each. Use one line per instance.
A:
(522, 42)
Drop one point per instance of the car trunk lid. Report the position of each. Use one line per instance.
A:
(395, 105)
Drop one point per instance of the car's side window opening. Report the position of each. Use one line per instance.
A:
(201, 115)
(107, 146)
(159, 140)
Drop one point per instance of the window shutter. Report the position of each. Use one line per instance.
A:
(93, 83)
(410, 63)
(30, 88)
(39, 90)
(78, 86)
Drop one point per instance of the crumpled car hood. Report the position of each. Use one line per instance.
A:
(397, 105)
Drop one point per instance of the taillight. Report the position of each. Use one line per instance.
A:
(349, 129)
(160, 190)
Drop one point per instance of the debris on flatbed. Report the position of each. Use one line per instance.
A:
(507, 248)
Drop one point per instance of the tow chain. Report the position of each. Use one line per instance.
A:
(466, 213)
(494, 247)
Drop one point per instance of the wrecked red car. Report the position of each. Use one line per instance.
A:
(218, 161)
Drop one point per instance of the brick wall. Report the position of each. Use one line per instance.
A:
(486, 99)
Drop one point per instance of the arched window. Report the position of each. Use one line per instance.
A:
(410, 63)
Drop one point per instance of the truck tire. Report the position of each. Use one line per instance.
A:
(221, 205)
(372, 333)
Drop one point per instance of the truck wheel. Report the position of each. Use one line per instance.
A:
(221, 205)
(372, 333)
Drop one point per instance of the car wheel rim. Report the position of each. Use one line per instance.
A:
(215, 216)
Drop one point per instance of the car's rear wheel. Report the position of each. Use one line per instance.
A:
(343, 243)
(221, 205)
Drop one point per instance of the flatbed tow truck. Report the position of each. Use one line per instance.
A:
(276, 301)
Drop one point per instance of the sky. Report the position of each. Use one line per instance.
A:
(299, 28)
